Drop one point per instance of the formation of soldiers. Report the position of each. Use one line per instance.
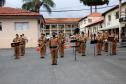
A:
(56, 44)
(103, 41)
(19, 44)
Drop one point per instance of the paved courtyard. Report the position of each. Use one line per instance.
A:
(89, 69)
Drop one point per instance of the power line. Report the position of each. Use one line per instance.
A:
(76, 9)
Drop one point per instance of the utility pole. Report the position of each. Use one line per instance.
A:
(91, 9)
(120, 28)
(95, 8)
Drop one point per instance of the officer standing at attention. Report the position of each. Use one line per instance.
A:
(99, 43)
(16, 40)
(41, 44)
(114, 43)
(22, 43)
(83, 40)
(105, 39)
(26, 41)
(61, 39)
(53, 44)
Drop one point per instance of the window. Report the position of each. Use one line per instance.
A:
(117, 15)
(47, 26)
(53, 26)
(109, 17)
(0, 26)
(21, 26)
(84, 21)
(89, 20)
(101, 25)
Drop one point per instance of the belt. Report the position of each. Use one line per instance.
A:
(82, 42)
(53, 46)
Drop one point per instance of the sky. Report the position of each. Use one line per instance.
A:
(65, 5)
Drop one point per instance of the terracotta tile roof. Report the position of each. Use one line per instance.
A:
(61, 20)
(7, 11)
(95, 14)
(96, 22)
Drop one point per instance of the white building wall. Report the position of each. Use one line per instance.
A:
(84, 23)
(8, 32)
(114, 22)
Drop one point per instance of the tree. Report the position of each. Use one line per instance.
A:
(2, 2)
(94, 2)
(77, 31)
(34, 5)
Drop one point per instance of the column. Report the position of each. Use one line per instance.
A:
(44, 29)
(50, 27)
(64, 29)
(57, 28)
(71, 29)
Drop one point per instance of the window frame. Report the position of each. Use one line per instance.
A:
(109, 18)
(21, 24)
(1, 26)
(117, 15)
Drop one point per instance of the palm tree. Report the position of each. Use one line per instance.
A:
(34, 5)
(2, 2)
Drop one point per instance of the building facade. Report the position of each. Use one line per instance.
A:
(66, 25)
(17, 21)
(88, 23)
(109, 21)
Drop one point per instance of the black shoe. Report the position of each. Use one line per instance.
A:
(62, 56)
(22, 55)
(113, 54)
(83, 55)
(54, 64)
(42, 57)
(17, 58)
(99, 54)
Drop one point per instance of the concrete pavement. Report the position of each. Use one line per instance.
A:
(89, 69)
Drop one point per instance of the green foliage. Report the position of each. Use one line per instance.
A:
(34, 5)
(2, 2)
(94, 2)
(77, 31)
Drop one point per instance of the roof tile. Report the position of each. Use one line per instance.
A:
(7, 11)
(61, 20)
(95, 14)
